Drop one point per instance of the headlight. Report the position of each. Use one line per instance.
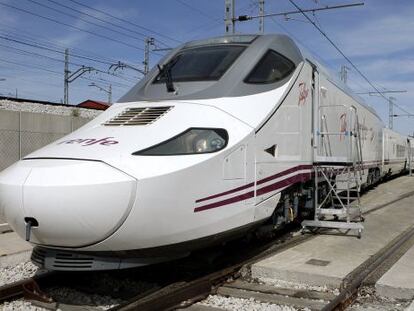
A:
(192, 141)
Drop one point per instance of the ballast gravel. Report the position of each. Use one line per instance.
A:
(19, 305)
(48, 109)
(301, 286)
(11, 274)
(242, 304)
(368, 300)
(25, 270)
(73, 297)
(18, 272)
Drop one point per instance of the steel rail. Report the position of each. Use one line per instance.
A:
(18, 289)
(347, 295)
(182, 294)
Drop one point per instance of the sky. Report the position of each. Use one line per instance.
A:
(377, 37)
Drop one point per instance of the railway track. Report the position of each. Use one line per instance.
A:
(189, 287)
(366, 274)
(225, 280)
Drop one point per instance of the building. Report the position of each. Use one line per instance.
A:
(94, 104)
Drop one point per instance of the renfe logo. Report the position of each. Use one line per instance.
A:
(107, 141)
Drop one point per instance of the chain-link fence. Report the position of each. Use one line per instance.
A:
(24, 132)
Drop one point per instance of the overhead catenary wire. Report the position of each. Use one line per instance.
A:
(25, 52)
(8, 61)
(40, 68)
(182, 2)
(338, 49)
(36, 45)
(51, 49)
(72, 26)
(83, 19)
(62, 61)
(56, 51)
(347, 58)
(126, 21)
(36, 38)
(143, 35)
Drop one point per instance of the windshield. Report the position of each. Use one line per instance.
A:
(204, 63)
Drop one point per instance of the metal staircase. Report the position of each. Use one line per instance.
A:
(337, 177)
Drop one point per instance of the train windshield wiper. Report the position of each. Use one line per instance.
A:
(165, 71)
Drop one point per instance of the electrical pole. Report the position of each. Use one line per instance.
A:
(70, 77)
(148, 43)
(229, 21)
(261, 14)
(390, 112)
(344, 74)
(66, 79)
(108, 91)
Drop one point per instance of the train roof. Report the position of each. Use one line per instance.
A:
(334, 79)
(231, 84)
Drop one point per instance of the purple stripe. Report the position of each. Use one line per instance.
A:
(280, 184)
(283, 183)
(235, 199)
(283, 173)
(266, 179)
(226, 192)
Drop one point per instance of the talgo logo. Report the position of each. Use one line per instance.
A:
(303, 93)
(106, 141)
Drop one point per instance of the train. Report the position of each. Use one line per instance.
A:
(216, 141)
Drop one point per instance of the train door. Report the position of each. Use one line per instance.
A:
(315, 107)
(282, 146)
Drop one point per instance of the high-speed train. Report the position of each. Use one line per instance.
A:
(217, 140)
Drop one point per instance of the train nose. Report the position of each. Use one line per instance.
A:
(67, 203)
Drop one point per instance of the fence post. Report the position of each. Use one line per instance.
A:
(20, 134)
(410, 158)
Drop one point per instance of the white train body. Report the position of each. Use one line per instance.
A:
(122, 191)
(395, 152)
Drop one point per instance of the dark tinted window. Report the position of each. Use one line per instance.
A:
(192, 141)
(202, 63)
(271, 68)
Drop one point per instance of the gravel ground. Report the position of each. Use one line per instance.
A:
(286, 284)
(21, 271)
(368, 301)
(97, 290)
(12, 274)
(20, 305)
(240, 304)
(73, 297)
(50, 109)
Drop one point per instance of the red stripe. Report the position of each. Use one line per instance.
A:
(266, 179)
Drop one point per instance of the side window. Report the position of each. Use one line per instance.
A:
(271, 68)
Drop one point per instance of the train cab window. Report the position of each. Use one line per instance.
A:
(204, 63)
(271, 68)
